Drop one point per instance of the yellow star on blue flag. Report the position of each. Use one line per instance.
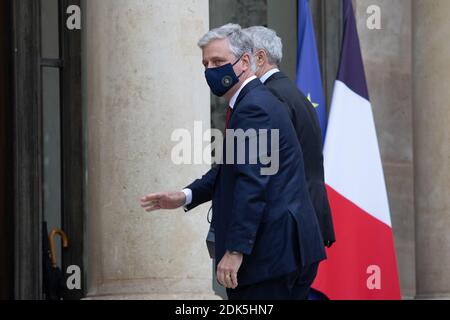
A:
(315, 105)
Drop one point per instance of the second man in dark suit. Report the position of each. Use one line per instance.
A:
(268, 54)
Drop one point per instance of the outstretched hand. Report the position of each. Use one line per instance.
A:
(163, 200)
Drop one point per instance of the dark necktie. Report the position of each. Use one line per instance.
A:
(229, 113)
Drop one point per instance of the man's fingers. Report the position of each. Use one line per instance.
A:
(221, 277)
(224, 276)
(153, 208)
(152, 197)
(148, 204)
(151, 202)
(228, 281)
(234, 280)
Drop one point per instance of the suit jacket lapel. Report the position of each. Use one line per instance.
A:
(250, 86)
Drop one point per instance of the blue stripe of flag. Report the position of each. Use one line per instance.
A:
(309, 79)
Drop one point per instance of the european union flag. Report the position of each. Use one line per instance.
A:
(309, 79)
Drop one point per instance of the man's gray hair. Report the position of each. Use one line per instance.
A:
(240, 42)
(266, 39)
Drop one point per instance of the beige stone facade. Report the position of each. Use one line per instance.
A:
(143, 78)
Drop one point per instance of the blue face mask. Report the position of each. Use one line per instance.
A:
(222, 79)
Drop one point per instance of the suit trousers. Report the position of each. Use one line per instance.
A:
(293, 286)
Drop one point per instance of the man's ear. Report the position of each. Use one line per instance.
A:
(246, 60)
(260, 57)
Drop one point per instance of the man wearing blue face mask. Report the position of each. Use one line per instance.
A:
(267, 238)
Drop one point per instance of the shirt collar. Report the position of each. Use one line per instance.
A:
(236, 95)
(268, 74)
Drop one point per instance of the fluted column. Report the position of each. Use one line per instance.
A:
(143, 79)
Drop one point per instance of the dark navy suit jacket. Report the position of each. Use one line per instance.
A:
(269, 218)
(307, 127)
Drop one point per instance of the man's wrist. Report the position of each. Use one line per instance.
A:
(188, 194)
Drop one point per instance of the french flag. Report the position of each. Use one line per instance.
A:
(362, 264)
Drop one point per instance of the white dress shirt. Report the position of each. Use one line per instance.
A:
(268, 74)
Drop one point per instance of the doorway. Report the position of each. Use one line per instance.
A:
(48, 141)
(6, 156)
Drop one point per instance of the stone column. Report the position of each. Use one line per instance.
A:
(431, 48)
(143, 78)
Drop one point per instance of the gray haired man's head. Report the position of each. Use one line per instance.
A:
(240, 42)
(267, 39)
